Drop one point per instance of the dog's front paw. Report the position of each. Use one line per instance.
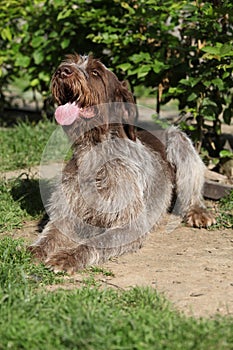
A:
(37, 251)
(199, 217)
(69, 260)
(62, 261)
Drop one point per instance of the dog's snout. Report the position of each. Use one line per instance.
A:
(64, 72)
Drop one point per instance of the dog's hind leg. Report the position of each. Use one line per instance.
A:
(189, 170)
(112, 242)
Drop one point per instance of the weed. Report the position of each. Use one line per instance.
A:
(225, 212)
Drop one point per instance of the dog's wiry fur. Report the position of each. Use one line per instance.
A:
(118, 184)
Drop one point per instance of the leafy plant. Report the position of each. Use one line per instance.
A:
(181, 48)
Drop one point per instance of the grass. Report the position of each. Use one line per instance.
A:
(88, 318)
(22, 146)
(225, 212)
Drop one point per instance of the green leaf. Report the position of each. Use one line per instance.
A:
(141, 57)
(225, 75)
(185, 82)
(22, 61)
(65, 43)
(211, 49)
(143, 71)
(126, 6)
(176, 90)
(53, 34)
(158, 66)
(226, 49)
(125, 66)
(190, 81)
(37, 41)
(38, 57)
(225, 153)
(64, 14)
(192, 97)
(194, 81)
(218, 82)
(189, 7)
(6, 34)
(34, 82)
(208, 117)
(208, 102)
(44, 76)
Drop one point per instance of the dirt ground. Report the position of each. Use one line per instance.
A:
(193, 268)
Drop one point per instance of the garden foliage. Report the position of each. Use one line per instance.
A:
(181, 49)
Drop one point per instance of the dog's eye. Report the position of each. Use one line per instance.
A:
(95, 73)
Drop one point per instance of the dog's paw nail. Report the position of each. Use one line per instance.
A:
(200, 217)
(61, 262)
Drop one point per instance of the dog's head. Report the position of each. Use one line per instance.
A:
(83, 88)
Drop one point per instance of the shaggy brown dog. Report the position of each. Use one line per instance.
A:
(117, 185)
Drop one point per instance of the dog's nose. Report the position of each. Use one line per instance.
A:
(64, 72)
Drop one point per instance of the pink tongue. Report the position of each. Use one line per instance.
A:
(67, 114)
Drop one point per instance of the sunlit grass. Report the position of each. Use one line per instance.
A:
(22, 145)
(91, 319)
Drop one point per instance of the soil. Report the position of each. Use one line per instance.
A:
(193, 268)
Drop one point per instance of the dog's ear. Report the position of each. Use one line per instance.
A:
(129, 111)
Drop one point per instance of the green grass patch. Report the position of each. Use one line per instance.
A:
(225, 212)
(17, 272)
(22, 146)
(91, 319)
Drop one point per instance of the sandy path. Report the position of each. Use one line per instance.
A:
(192, 267)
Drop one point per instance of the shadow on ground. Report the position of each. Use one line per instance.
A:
(27, 193)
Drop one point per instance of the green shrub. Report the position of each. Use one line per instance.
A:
(181, 48)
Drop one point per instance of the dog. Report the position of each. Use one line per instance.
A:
(120, 181)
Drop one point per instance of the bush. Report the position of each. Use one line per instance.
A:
(183, 49)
